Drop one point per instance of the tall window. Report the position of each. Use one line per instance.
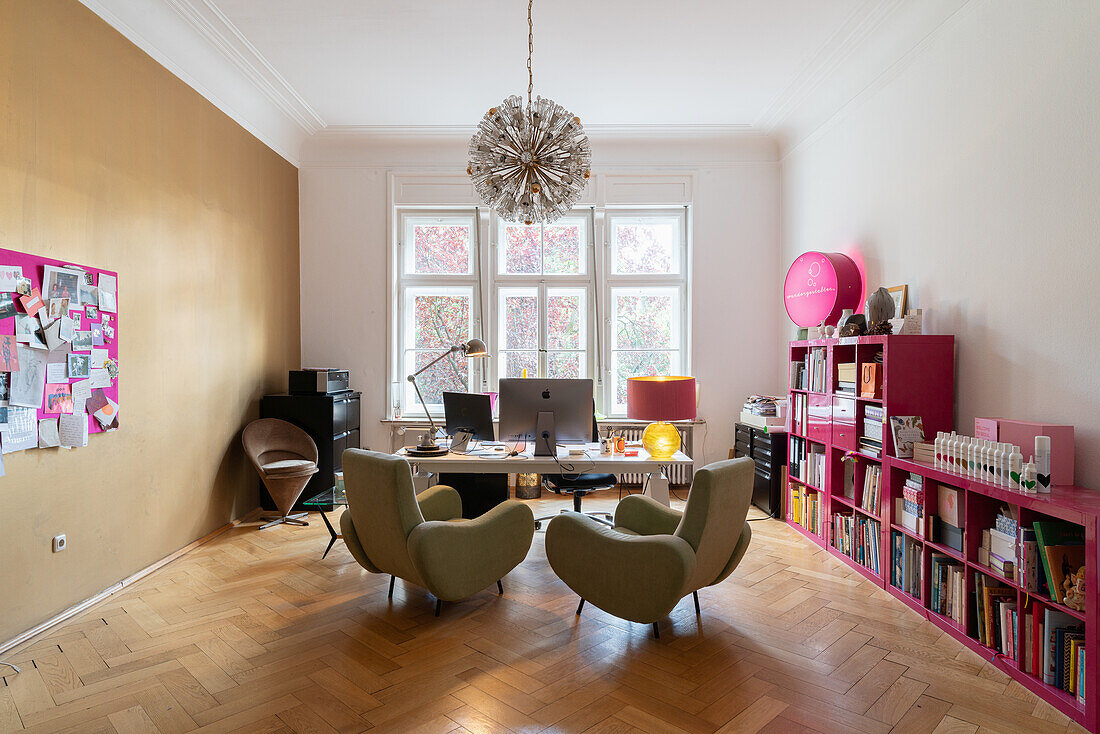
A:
(595, 294)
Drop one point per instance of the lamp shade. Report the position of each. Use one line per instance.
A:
(660, 398)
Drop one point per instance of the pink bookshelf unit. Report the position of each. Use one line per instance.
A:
(917, 378)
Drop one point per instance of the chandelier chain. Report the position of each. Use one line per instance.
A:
(530, 52)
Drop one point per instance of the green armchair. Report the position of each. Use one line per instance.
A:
(423, 538)
(655, 556)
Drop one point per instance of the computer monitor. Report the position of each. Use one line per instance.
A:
(546, 411)
(469, 411)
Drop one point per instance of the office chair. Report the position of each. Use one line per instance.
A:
(580, 485)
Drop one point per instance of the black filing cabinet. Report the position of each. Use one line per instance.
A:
(332, 421)
(769, 452)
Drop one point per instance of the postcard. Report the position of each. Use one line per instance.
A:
(10, 275)
(96, 401)
(100, 377)
(23, 287)
(81, 390)
(67, 330)
(58, 307)
(77, 318)
(112, 368)
(80, 366)
(32, 303)
(89, 295)
(25, 326)
(99, 358)
(59, 399)
(3, 390)
(22, 430)
(61, 283)
(7, 306)
(47, 433)
(72, 430)
(57, 372)
(108, 414)
(108, 283)
(97, 334)
(92, 312)
(9, 353)
(82, 340)
(53, 335)
(107, 301)
(28, 383)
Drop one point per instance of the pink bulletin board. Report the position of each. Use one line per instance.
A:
(33, 268)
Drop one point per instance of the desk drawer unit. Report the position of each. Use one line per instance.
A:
(768, 452)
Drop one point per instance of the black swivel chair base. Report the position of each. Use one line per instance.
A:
(656, 629)
(578, 495)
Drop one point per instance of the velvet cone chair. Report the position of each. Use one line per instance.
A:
(655, 556)
(423, 539)
(285, 457)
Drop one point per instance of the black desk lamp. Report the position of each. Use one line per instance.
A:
(428, 447)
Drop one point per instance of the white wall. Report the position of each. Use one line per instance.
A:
(732, 181)
(970, 169)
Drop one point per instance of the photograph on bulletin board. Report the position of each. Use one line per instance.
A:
(58, 352)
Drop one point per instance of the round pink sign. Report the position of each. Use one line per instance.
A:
(819, 286)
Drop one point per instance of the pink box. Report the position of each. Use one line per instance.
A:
(1023, 433)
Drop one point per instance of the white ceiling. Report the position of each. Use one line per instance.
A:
(615, 62)
(289, 69)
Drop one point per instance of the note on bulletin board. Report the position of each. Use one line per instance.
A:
(39, 340)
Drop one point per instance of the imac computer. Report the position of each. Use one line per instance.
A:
(469, 412)
(546, 411)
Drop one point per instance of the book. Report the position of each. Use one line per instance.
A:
(948, 505)
(1081, 674)
(906, 430)
(1027, 653)
(1056, 533)
(1054, 620)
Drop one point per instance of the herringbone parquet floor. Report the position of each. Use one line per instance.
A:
(254, 632)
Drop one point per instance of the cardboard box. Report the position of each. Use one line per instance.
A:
(1023, 433)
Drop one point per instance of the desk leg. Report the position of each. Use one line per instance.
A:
(334, 536)
(657, 487)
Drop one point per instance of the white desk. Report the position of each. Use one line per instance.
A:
(525, 463)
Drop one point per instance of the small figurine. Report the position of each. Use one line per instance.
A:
(854, 325)
(1075, 590)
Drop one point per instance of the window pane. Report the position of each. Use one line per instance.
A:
(565, 365)
(645, 245)
(639, 364)
(646, 318)
(515, 362)
(565, 318)
(451, 374)
(439, 318)
(522, 249)
(438, 246)
(563, 248)
(519, 318)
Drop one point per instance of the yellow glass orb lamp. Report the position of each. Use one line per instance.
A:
(660, 399)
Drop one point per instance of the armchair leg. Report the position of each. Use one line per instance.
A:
(500, 588)
(392, 579)
(438, 606)
(695, 596)
(580, 606)
(656, 632)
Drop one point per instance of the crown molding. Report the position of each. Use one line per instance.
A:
(602, 130)
(860, 24)
(213, 25)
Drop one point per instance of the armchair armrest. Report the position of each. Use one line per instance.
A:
(635, 577)
(440, 502)
(646, 516)
(351, 540)
(457, 559)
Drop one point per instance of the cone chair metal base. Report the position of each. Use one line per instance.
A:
(295, 519)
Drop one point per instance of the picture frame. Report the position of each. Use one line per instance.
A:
(900, 294)
(61, 283)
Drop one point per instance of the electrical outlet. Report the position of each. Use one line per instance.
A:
(60, 543)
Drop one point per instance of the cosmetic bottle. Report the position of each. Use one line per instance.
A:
(1015, 468)
(999, 472)
(1042, 464)
(984, 461)
(938, 446)
(1028, 478)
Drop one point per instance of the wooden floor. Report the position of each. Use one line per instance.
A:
(254, 632)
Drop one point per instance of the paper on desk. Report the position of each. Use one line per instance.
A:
(72, 430)
(47, 433)
(28, 384)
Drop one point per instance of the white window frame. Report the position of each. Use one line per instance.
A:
(485, 283)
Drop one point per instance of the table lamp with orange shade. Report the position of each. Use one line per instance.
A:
(660, 399)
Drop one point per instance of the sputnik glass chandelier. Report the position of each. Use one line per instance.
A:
(529, 164)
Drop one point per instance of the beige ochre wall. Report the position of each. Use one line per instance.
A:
(108, 159)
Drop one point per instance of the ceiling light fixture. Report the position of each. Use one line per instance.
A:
(529, 164)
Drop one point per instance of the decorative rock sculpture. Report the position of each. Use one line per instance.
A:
(879, 307)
